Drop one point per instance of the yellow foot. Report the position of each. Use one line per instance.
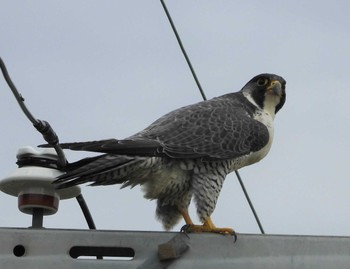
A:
(207, 227)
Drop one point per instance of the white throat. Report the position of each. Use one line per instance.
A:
(270, 103)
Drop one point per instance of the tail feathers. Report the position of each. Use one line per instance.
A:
(136, 147)
(80, 145)
(101, 170)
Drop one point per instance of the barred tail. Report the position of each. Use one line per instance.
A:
(101, 170)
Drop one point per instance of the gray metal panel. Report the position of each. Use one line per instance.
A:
(49, 248)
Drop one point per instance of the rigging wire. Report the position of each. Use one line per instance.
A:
(183, 50)
(50, 137)
(42, 126)
(88, 217)
(86, 212)
(204, 98)
(250, 202)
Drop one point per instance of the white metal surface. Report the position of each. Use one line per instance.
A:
(49, 248)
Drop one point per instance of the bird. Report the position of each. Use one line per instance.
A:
(186, 154)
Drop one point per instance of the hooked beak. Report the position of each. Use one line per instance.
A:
(275, 88)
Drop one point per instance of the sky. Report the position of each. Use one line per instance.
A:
(107, 69)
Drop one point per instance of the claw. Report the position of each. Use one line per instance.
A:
(184, 229)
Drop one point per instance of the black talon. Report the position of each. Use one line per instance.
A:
(235, 236)
(185, 228)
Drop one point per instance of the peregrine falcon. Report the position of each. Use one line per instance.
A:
(188, 152)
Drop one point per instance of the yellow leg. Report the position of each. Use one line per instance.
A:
(186, 217)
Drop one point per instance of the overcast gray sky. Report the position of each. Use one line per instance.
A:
(107, 69)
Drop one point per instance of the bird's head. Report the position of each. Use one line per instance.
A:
(266, 91)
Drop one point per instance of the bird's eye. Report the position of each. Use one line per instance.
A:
(262, 81)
